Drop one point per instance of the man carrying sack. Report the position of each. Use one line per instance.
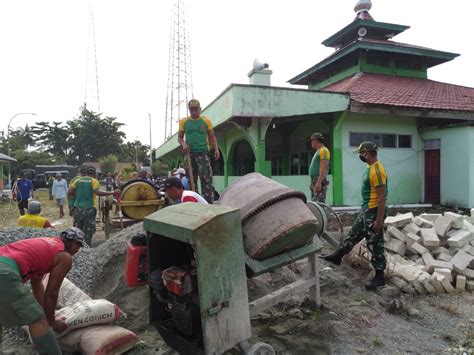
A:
(199, 133)
(31, 259)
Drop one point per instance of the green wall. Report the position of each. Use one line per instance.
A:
(1, 175)
(457, 165)
(405, 177)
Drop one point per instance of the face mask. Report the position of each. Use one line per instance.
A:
(361, 157)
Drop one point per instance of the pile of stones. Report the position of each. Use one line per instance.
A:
(431, 253)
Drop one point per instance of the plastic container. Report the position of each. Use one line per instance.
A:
(136, 266)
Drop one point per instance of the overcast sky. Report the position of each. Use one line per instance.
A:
(44, 49)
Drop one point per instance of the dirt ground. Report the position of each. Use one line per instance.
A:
(351, 320)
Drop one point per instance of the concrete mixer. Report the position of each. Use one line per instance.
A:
(200, 256)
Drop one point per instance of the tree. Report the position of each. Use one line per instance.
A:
(135, 151)
(92, 137)
(52, 138)
(108, 164)
(158, 168)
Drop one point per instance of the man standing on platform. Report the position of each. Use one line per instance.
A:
(199, 133)
(319, 168)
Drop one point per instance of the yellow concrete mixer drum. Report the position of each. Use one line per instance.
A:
(139, 198)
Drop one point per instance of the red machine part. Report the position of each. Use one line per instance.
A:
(136, 266)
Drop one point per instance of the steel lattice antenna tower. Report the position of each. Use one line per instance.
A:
(180, 85)
(91, 97)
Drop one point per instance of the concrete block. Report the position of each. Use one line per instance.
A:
(428, 260)
(417, 248)
(439, 250)
(442, 264)
(458, 220)
(469, 273)
(418, 286)
(469, 225)
(444, 257)
(412, 238)
(445, 272)
(453, 251)
(461, 260)
(396, 246)
(469, 249)
(420, 262)
(432, 217)
(429, 238)
(425, 280)
(443, 225)
(436, 284)
(445, 282)
(394, 232)
(423, 223)
(470, 286)
(400, 220)
(460, 238)
(411, 228)
(461, 283)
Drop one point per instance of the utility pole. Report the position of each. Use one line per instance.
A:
(151, 149)
(91, 97)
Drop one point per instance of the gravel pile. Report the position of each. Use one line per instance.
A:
(82, 273)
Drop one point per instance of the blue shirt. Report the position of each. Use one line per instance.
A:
(185, 183)
(24, 188)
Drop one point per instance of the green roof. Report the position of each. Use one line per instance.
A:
(375, 29)
(434, 57)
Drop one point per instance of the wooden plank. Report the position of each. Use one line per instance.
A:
(280, 295)
(141, 203)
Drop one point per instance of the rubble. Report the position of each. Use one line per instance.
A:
(430, 253)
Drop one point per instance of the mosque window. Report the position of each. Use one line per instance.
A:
(382, 140)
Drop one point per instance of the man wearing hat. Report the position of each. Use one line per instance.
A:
(59, 193)
(319, 168)
(369, 223)
(199, 133)
(82, 171)
(31, 259)
(32, 218)
(85, 191)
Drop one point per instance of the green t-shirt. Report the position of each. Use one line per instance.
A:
(373, 177)
(195, 131)
(321, 154)
(84, 188)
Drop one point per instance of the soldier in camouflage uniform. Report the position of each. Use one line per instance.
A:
(319, 168)
(369, 223)
(199, 133)
(85, 190)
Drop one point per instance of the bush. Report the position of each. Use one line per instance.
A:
(108, 164)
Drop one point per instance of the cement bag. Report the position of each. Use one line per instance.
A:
(87, 313)
(69, 293)
(99, 340)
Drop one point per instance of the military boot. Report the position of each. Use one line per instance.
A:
(377, 281)
(335, 258)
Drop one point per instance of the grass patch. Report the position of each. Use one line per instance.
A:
(378, 343)
(316, 315)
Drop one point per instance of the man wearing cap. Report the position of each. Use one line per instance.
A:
(82, 171)
(181, 175)
(199, 133)
(85, 191)
(369, 223)
(32, 218)
(176, 192)
(319, 168)
(31, 259)
(59, 193)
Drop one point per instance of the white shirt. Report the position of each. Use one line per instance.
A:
(59, 188)
(191, 196)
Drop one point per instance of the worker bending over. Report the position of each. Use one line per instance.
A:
(32, 218)
(31, 259)
(175, 190)
(199, 133)
(369, 223)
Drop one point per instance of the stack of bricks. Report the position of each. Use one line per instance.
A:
(431, 253)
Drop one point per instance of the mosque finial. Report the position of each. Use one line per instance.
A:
(362, 9)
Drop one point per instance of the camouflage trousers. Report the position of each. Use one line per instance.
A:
(201, 165)
(321, 195)
(84, 219)
(363, 228)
